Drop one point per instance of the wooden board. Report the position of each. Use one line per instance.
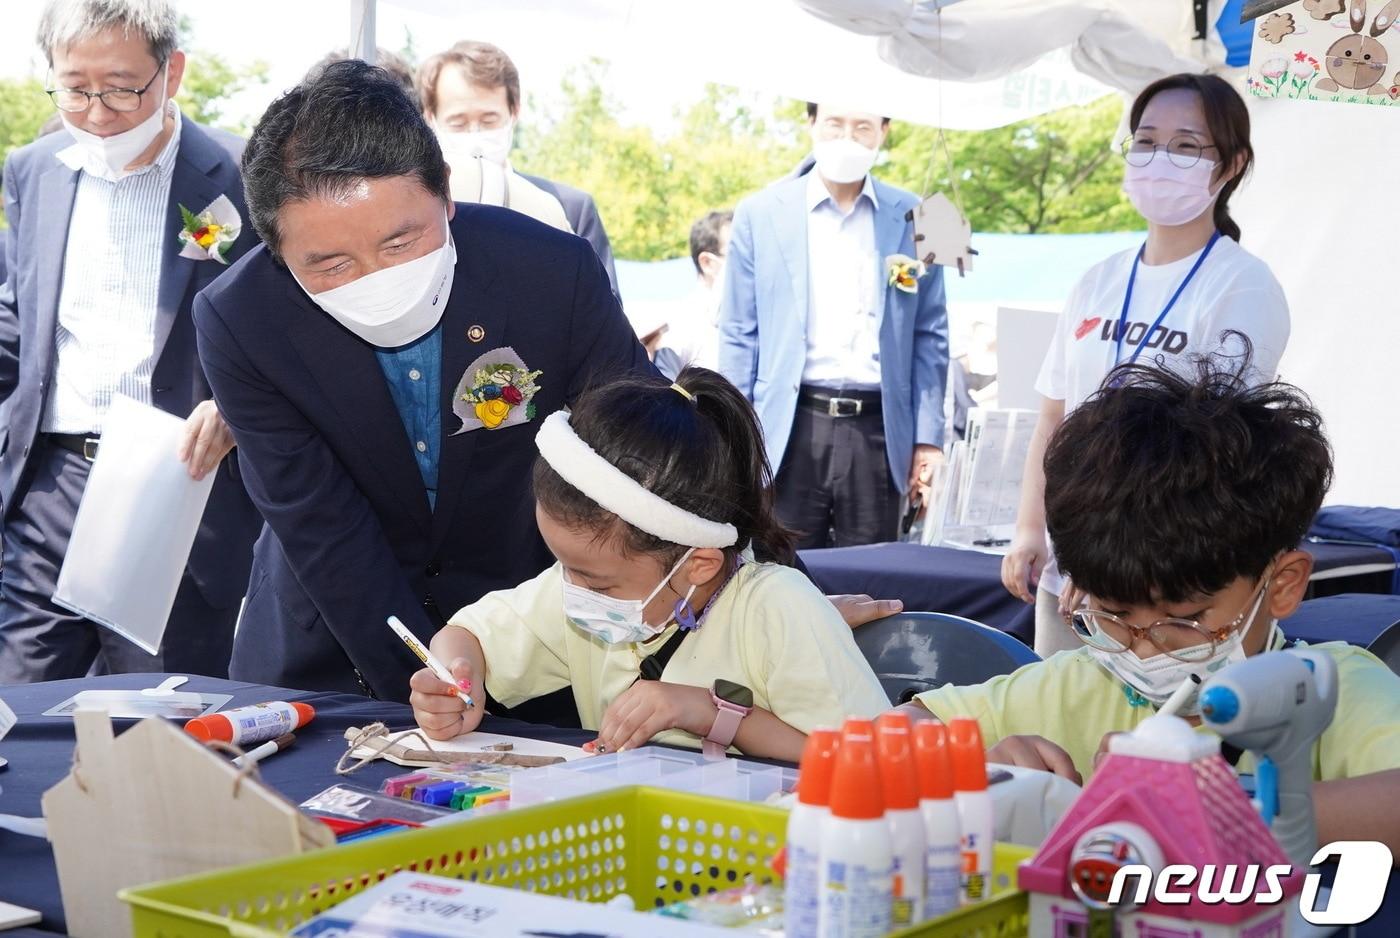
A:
(154, 804)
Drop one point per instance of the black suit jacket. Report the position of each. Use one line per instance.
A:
(350, 538)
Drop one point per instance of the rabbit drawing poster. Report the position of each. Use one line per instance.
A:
(1327, 50)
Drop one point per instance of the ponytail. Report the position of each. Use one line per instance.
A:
(736, 423)
(699, 447)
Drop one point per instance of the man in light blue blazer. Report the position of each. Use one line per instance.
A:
(846, 371)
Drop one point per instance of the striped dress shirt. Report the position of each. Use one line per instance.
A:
(106, 331)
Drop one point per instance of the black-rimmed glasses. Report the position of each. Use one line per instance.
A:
(122, 100)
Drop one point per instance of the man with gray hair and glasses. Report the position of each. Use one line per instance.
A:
(96, 302)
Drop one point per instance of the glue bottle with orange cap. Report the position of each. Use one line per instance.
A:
(243, 726)
(804, 834)
(857, 855)
(894, 753)
(942, 855)
(976, 817)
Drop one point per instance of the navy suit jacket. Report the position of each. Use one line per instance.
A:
(582, 213)
(350, 538)
(39, 194)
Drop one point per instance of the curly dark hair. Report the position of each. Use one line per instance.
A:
(1166, 486)
(706, 457)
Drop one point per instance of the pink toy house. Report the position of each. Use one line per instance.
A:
(1163, 796)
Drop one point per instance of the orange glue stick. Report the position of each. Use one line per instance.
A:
(244, 726)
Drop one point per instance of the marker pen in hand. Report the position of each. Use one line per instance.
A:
(431, 661)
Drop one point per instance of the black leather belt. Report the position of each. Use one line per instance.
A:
(80, 443)
(840, 403)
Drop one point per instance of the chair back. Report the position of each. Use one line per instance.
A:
(1385, 646)
(917, 651)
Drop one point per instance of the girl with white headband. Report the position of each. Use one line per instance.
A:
(649, 495)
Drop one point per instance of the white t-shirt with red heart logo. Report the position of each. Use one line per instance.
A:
(1232, 292)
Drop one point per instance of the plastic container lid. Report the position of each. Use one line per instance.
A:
(218, 726)
(818, 765)
(855, 784)
(894, 752)
(969, 756)
(934, 760)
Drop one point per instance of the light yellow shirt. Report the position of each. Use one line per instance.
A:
(770, 629)
(1072, 701)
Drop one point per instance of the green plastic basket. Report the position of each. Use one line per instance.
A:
(657, 846)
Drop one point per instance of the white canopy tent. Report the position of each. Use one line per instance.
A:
(976, 64)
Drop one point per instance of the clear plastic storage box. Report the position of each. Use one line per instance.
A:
(657, 767)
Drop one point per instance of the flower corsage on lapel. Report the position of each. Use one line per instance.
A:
(496, 391)
(905, 272)
(209, 235)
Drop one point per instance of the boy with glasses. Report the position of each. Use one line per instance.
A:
(1177, 503)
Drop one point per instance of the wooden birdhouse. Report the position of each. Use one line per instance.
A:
(154, 804)
(941, 234)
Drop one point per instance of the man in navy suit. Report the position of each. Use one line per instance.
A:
(471, 97)
(98, 302)
(338, 350)
(846, 369)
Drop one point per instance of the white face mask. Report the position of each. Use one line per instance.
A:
(617, 621)
(1158, 677)
(396, 305)
(1166, 194)
(843, 160)
(108, 157)
(493, 145)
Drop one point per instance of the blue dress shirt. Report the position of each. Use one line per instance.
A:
(414, 375)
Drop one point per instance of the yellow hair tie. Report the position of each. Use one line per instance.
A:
(683, 393)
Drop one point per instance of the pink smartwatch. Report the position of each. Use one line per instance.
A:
(734, 702)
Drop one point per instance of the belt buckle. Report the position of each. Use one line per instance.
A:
(834, 407)
(90, 449)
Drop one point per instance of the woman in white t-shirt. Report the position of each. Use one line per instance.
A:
(1190, 290)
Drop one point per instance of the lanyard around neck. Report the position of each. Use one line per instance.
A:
(1128, 300)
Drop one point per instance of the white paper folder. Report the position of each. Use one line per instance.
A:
(135, 526)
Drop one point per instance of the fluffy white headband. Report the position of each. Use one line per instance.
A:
(580, 466)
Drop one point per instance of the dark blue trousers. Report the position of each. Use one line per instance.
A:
(40, 641)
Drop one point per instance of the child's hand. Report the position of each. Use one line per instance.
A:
(1103, 748)
(440, 708)
(650, 707)
(1034, 752)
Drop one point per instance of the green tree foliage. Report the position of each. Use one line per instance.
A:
(23, 109)
(649, 190)
(210, 81)
(1053, 173)
(1056, 173)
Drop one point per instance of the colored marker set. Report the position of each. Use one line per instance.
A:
(463, 787)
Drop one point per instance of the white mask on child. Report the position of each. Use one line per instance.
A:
(617, 621)
(1158, 677)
